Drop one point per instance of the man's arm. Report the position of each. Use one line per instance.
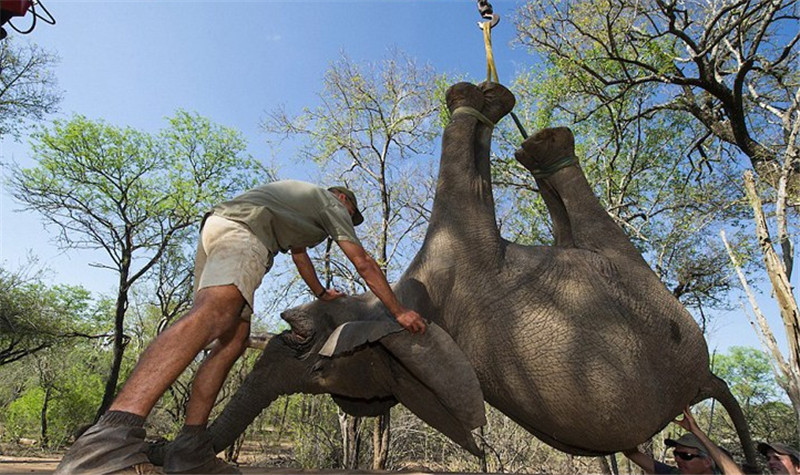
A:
(725, 463)
(643, 460)
(369, 270)
(309, 275)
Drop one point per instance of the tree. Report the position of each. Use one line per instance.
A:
(54, 392)
(747, 371)
(779, 271)
(28, 89)
(730, 65)
(130, 194)
(374, 120)
(34, 317)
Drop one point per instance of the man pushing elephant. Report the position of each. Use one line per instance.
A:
(238, 241)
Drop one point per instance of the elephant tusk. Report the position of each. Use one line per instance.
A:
(259, 341)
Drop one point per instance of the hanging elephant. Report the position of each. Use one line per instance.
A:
(580, 343)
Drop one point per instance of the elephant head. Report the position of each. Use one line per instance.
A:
(351, 349)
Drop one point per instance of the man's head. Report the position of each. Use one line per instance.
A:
(780, 458)
(690, 455)
(348, 198)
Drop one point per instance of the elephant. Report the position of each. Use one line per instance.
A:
(578, 342)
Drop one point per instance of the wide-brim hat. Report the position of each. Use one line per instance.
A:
(687, 440)
(358, 218)
(779, 448)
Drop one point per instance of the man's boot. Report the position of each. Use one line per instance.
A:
(193, 452)
(114, 445)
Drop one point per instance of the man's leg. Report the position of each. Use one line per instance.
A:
(212, 373)
(215, 313)
(117, 441)
(193, 450)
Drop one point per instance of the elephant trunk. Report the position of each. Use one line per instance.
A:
(275, 373)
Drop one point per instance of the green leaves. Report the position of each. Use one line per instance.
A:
(127, 191)
(133, 195)
(34, 316)
(749, 374)
(28, 89)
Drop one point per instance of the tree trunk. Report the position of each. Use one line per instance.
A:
(484, 446)
(119, 340)
(380, 442)
(233, 450)
(783, 295)
(45, 441)
(351, 440)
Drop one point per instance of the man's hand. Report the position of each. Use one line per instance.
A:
(331, 294)
(688, 421)
(411, 321)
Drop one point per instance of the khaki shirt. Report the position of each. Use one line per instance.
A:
(290, 214)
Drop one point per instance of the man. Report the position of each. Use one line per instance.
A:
(238, 241)
(694, 453)
(690, 456)
(781, 459)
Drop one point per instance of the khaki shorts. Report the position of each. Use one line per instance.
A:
(228, 253)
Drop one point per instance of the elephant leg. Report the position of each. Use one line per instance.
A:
(562, 230)
(464, 186)
(550, 155)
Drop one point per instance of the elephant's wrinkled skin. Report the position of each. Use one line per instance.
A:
(579, 342)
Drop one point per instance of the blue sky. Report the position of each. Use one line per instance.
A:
(132, 63)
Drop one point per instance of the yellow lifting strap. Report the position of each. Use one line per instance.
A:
(485, 9)
(491, 70)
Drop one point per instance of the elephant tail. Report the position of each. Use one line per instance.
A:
(718, 389)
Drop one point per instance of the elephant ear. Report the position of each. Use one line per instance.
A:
(349, 336)
(431, 375)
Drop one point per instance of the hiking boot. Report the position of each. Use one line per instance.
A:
(547, 151)
(156, 451)
(497, 100)
(115, 443)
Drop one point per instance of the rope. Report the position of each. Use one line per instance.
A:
(545, 172)
(474, 113)
(491, 69)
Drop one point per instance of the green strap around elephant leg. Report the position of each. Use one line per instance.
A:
(547, 171)
(474, 113)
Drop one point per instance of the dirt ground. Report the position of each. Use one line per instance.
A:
(27, 464)
(20, 465)
(254, 459)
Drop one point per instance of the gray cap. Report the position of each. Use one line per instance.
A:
(358, 218)
(779, 448)
(687, 440)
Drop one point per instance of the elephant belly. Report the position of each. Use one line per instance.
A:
(586, 364)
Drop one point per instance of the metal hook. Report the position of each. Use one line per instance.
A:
(493, 19)
(485, 9)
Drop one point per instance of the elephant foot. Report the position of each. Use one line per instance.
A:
(464, 94)
(548, 151)
(497, 100)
